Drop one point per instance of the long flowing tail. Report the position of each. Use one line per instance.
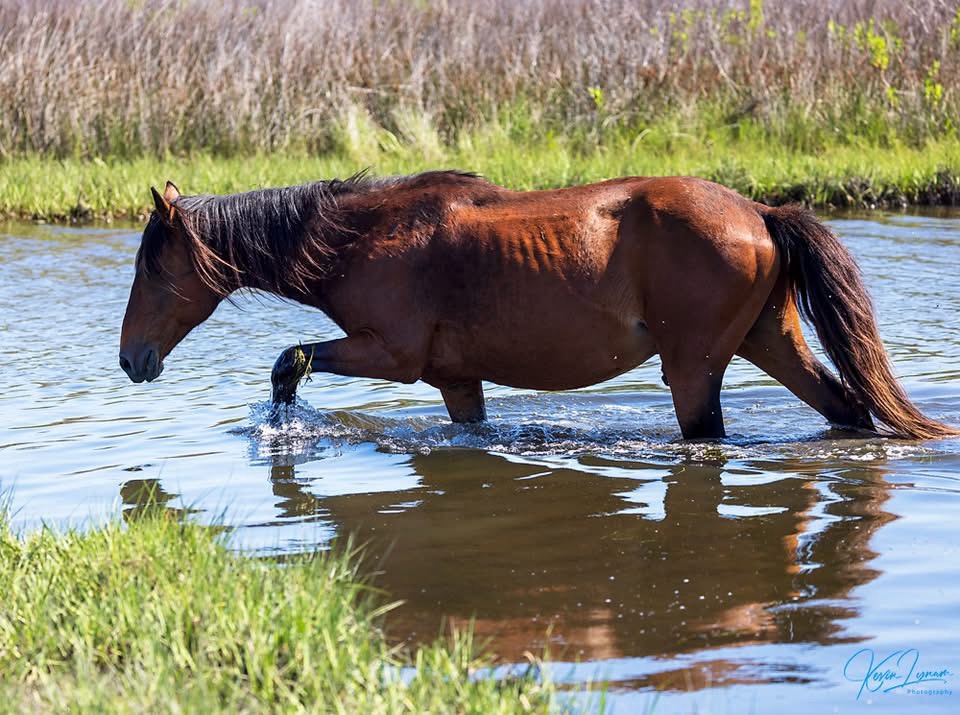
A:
(830, 294)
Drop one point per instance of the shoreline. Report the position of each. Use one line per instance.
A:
(133, 615)
(842, 177)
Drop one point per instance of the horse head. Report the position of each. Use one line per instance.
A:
(168, 297)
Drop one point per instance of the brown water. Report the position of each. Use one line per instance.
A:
(731, 577)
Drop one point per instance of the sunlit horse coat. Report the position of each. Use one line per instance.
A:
(446, 278)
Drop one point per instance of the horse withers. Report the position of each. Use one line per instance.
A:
(447, 278)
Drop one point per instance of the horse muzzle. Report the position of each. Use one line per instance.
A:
(141, 364)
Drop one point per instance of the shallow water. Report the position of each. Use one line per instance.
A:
(728, 577)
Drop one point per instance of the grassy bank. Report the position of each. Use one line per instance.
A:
(849, 173)
(159, 616)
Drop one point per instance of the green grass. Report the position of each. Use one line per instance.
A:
(854, 105)
(159, 616)
(765, 163)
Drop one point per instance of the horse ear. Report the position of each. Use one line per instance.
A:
(171, 193)
(164, 208)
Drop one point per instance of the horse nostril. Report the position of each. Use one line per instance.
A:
(125, 364)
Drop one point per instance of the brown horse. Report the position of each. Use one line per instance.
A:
(446, 278)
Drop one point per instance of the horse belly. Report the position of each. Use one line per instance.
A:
(544, 350)
(546, 303)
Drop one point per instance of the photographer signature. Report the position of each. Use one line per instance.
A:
(898, 670)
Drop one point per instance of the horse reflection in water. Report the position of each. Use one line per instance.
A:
(146, 497)
(618, 559)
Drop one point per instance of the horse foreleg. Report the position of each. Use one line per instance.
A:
(464, 401)
(360, 355)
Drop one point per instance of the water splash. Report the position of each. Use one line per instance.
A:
(528, 426)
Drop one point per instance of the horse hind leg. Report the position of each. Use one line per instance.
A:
(694, 362)
(696, 358)
(776, 345)
(696, 399)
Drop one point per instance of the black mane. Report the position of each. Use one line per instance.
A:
(277, 240)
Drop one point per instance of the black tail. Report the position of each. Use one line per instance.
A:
(830, 294)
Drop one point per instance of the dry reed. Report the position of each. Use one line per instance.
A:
(129, 77)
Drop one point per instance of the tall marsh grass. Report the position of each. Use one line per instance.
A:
(128, 78)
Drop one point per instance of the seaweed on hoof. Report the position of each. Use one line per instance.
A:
(291, 368)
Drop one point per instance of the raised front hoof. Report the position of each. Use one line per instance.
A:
(284, 394)
(290, 368)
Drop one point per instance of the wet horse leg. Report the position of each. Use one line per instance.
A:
(776, 345)
(696, 399)
(464, 401)
(360, 355)
(694, 367)
(695, 353)
(705, 268)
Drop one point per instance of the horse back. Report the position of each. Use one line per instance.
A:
(547, 289)
(598, 242)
